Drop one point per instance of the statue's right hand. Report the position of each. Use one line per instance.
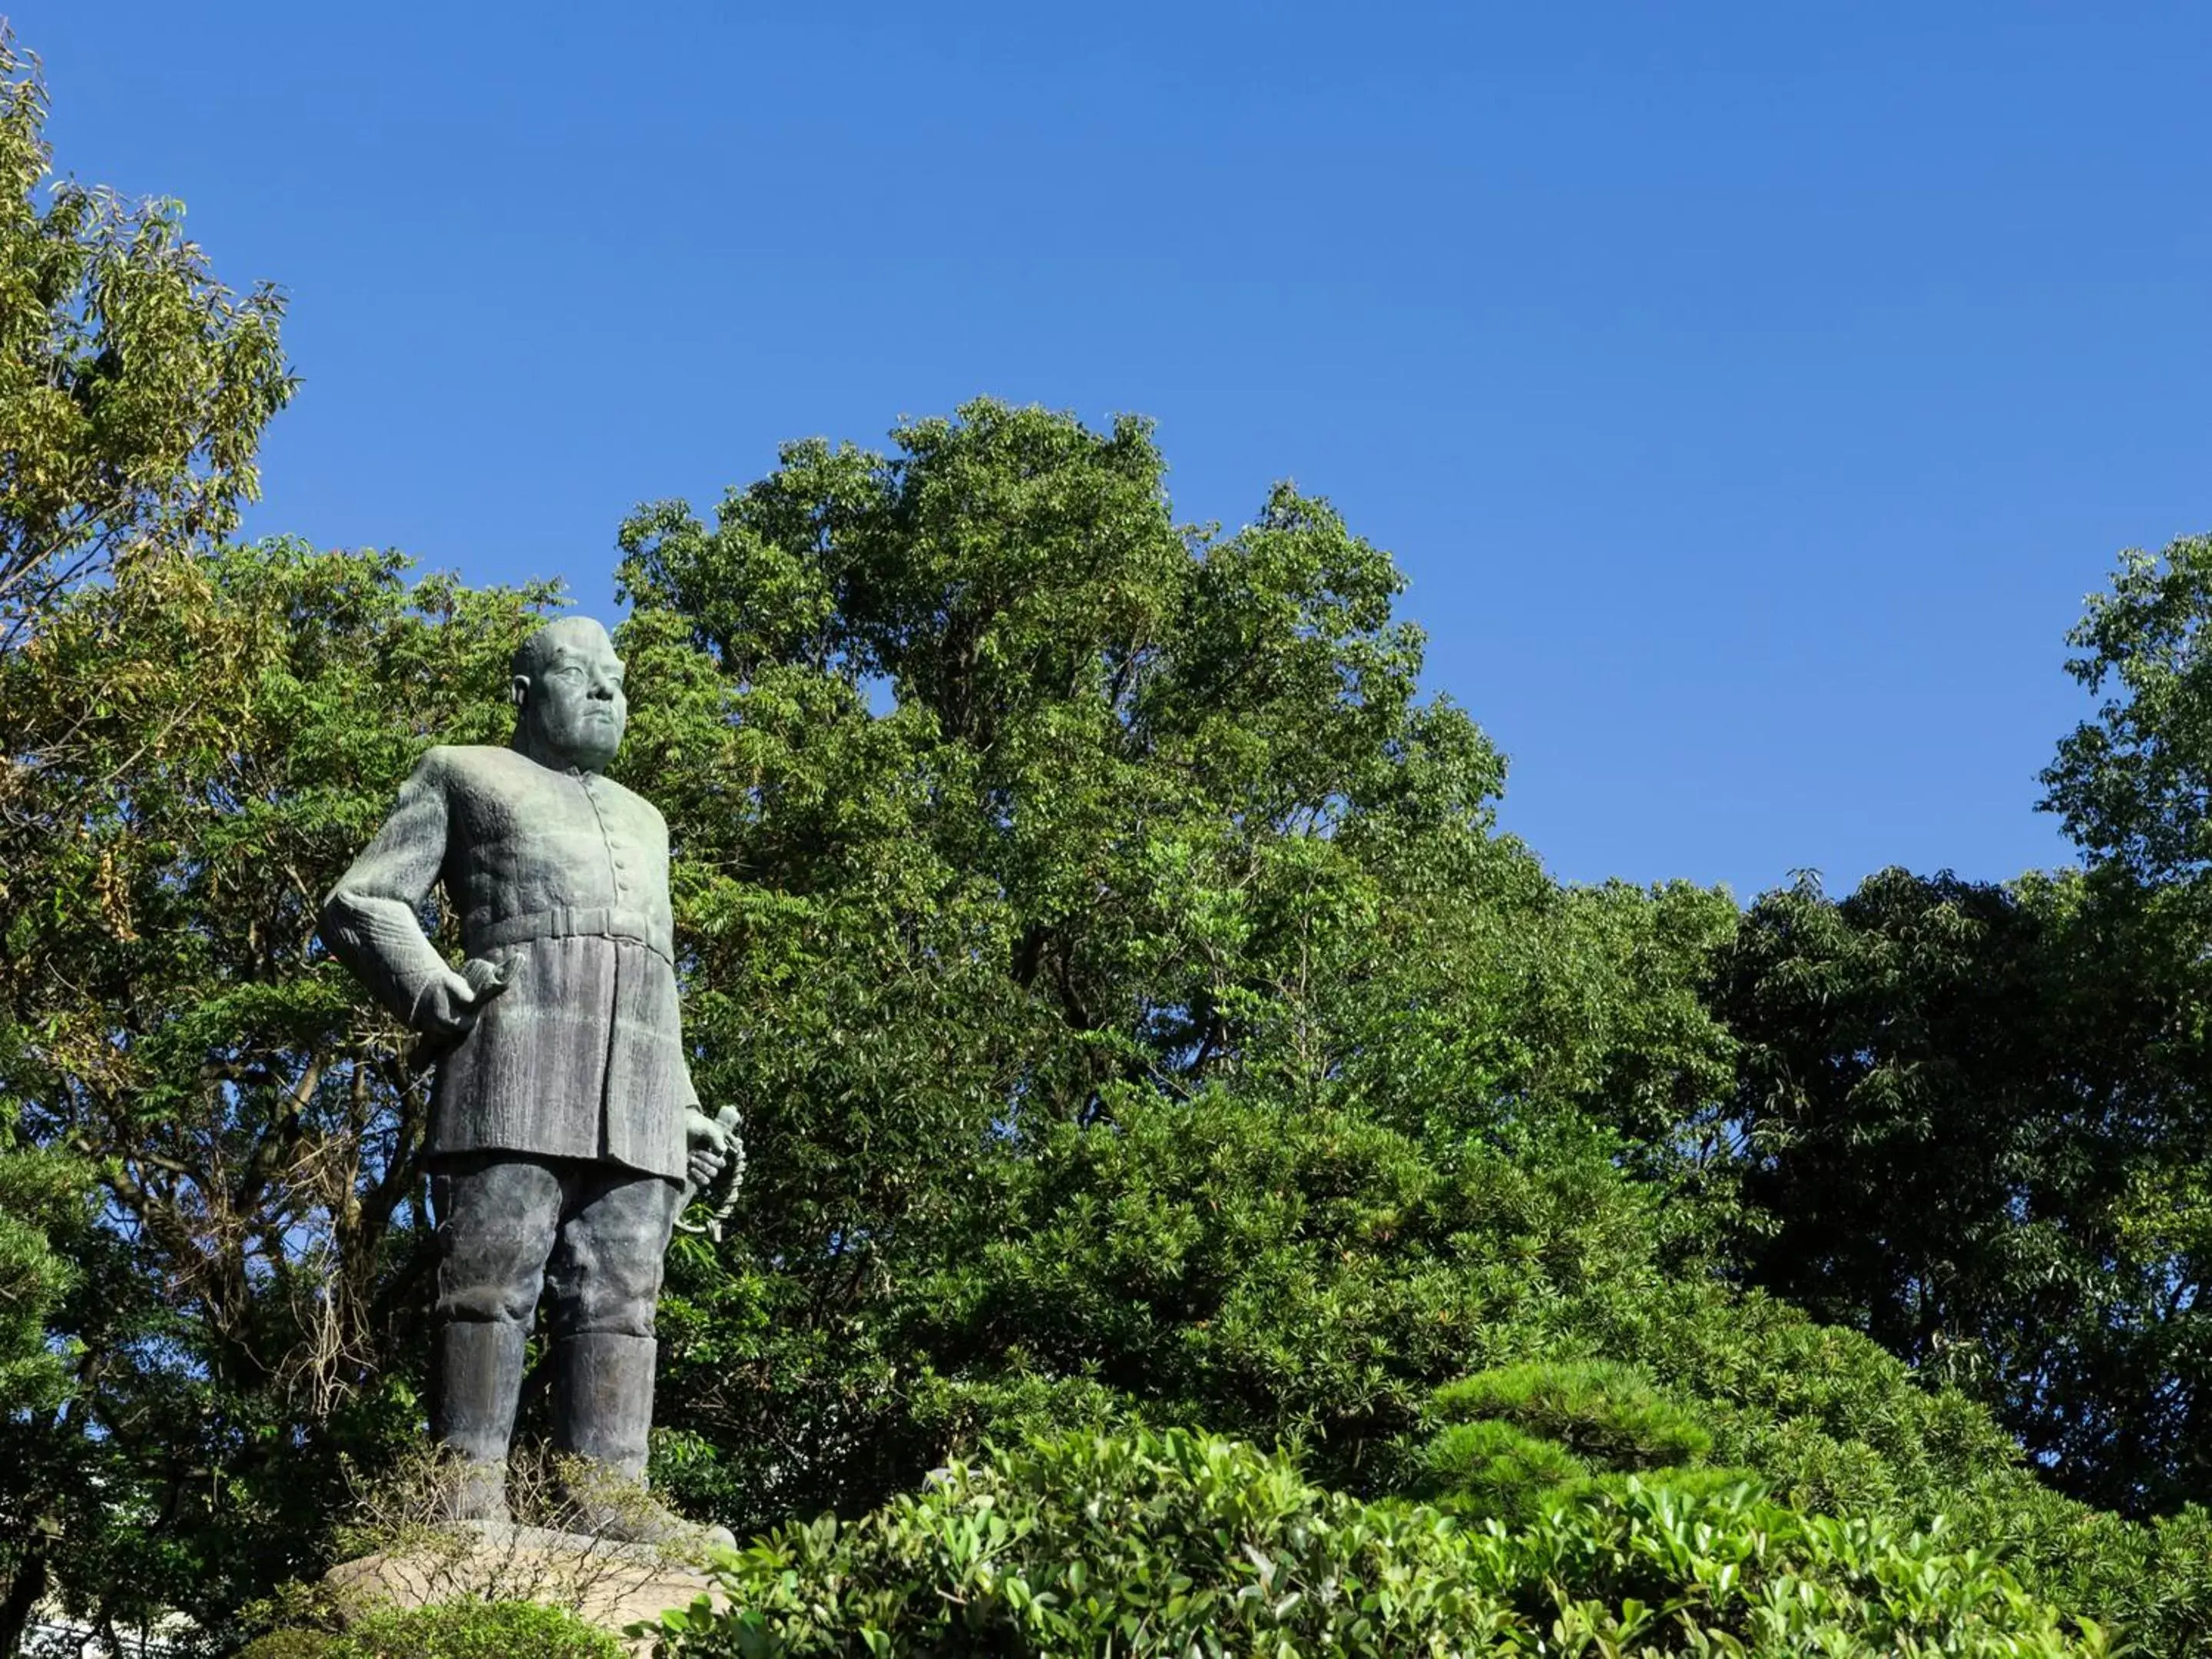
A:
(457, 1000)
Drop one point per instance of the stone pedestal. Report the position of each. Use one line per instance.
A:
(606, 1583)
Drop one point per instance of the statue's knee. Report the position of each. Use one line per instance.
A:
(490, 1279)
(504, 1302)
(622, 1321)
(614, 1300)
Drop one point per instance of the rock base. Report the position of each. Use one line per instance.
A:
(603, 1583)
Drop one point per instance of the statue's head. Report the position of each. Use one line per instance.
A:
(569, 709)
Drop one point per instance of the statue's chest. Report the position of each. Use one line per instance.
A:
(574, 836)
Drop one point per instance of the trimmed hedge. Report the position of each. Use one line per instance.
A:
(456, 1630)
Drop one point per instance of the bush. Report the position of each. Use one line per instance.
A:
(1606, 1414)
(1524, 1439)
(1492, 1468)
(476, 1630)
(293, 1644)
(1174, 1544)
(453, 1629)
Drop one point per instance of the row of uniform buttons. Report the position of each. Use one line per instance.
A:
(616, 863)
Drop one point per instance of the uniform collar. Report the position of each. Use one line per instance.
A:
(521, 746)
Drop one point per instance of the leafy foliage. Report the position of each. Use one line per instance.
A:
(214, 735)
(453, 1629)
(1245, 1087)
(133, 390)
(2131, 784)
(133, 387)
(1976, 1131)
(1604, 1412)
(1154, 829)
(1180, 1544)
(42, 1205)
(1489, 1467)
(1124, 1068)
(1520, 1439)
(294, 1642)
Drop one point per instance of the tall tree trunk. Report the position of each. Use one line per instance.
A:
(24, 1590)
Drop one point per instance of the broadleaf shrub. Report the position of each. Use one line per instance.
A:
(1180, 1544)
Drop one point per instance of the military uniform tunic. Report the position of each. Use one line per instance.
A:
(560, 877)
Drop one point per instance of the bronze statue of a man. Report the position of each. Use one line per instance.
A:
(563, 1124)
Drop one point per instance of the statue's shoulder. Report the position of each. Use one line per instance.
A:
(476, 769)
(463, 759)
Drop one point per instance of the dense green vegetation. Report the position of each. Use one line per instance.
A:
(1207, 1182)
(456, 1630)
(1176, 1544)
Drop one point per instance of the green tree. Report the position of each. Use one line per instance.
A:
(1972, 1115)
(1112, 1053)
(41, 1206)
(1974, 1130)
(133, 387)
(133, 390)
(1138, 1016)
(215, 733)
(1524, 1439)
(453, 1629)
(1150, 813)
(2132, 785)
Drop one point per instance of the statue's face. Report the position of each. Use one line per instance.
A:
(574, 705)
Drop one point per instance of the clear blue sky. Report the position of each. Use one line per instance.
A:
(1751, 393)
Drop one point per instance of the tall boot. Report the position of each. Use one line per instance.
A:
(603, 1400)
(602, 1410)
(479, 1379)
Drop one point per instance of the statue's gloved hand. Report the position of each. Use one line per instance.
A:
(451, 1005)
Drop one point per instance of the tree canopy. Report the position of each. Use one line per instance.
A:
(1975, 1130)
(134, 387)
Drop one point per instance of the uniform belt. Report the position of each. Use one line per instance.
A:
(566, 921)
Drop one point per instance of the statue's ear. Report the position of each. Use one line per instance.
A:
(518, 690)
